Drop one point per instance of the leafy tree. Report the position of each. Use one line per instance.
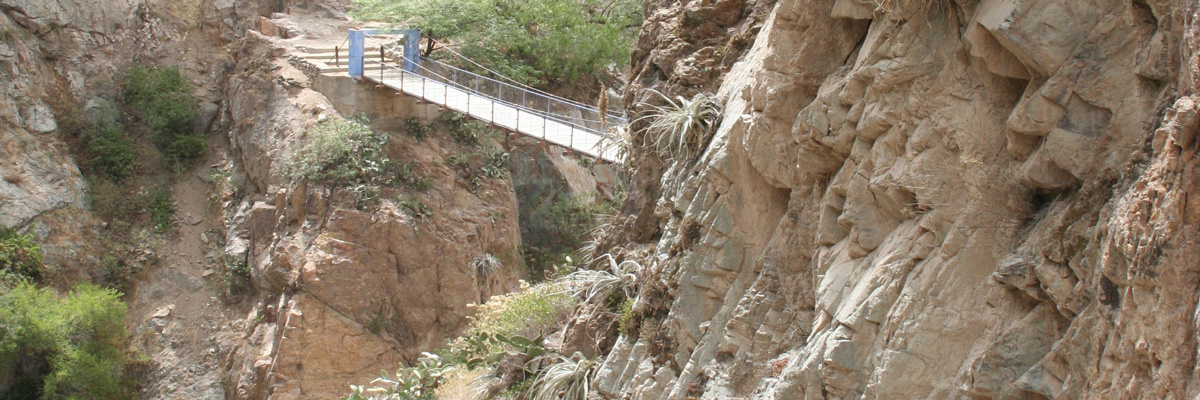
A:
(537, 41)
(63, 348)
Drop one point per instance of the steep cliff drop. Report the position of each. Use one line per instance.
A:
(917, 199)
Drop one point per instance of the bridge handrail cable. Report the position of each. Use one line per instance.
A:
(518, 83)
(580, 109)
(583, 128)
(454, 81)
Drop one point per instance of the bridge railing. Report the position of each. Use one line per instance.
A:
(572, 112)
(576, 119)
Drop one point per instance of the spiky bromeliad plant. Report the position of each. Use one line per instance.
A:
(616, 143)
(680, 127)
(598, 285)
(566, 378)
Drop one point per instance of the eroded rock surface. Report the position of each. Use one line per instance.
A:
(953, 199)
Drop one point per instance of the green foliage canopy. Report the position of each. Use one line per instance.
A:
(63, 348)
(530, 41)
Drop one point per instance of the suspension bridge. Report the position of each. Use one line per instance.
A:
(394, 62)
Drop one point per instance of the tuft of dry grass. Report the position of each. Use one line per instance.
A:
(909, 9)
(463, 384)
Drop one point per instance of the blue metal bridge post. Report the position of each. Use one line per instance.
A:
(412, 49)
(354, 60)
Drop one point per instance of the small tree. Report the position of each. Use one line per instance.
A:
(530, 41)
(64, 348)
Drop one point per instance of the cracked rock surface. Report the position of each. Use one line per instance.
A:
(953, 199)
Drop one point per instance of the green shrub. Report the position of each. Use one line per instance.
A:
(184, 149)
(416, 208)
(64, 348)
(495, 163)
(628, 318)
(529, 312)
(161, 208)
(463, 129)
(162, 98)
(145, 84)
(340, 152)
(529, 41)
(421, 184)
(414, 128)
(347, 153)
(432, 371)
(20, 254)
(113, 153)
(236, 277)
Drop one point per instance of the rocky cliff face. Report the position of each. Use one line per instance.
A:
(337, 290)
(346, 290)
(919, 199)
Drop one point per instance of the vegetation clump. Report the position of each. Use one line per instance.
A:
(161, 208)
(532, 311)
(682, 126)
(566, 378)
(415, 208)
(113, 153)
(413, 127)
(529, 41)
(562, 225)
(162, 98)
(349, 154)
(20, 254)
(504, 340)
(64, 348)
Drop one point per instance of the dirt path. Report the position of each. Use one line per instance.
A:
(176, 314)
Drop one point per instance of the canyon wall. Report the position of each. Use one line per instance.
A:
(919, 199)
(336, 288)
(346, 289)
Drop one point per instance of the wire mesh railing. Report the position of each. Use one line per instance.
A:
(580, 115)
(554, 120)
(509, 104)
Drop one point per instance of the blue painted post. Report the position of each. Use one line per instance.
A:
(357, 46)
(412, 49)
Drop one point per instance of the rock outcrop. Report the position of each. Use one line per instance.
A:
(337, 290)
(920, 199)
(344, 290)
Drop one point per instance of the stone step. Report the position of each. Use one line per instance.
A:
(330, 50)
